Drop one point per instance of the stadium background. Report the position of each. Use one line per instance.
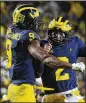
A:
(74, 10)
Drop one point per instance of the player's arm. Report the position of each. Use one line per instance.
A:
(46, 58)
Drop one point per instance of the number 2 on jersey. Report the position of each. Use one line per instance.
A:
(60, 77)
(9, 52)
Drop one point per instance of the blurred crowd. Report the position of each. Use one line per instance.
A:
(73, 10)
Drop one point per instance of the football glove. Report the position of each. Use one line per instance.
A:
(78, 66)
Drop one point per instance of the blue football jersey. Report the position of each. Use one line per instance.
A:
(20, 62)
(63, 79)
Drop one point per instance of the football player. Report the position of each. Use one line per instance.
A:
(68, 48)
(22, 45)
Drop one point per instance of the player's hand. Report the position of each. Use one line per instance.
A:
(47, 47)
(78, 66)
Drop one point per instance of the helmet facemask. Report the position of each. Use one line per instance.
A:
(58, 37)
(37, 23)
